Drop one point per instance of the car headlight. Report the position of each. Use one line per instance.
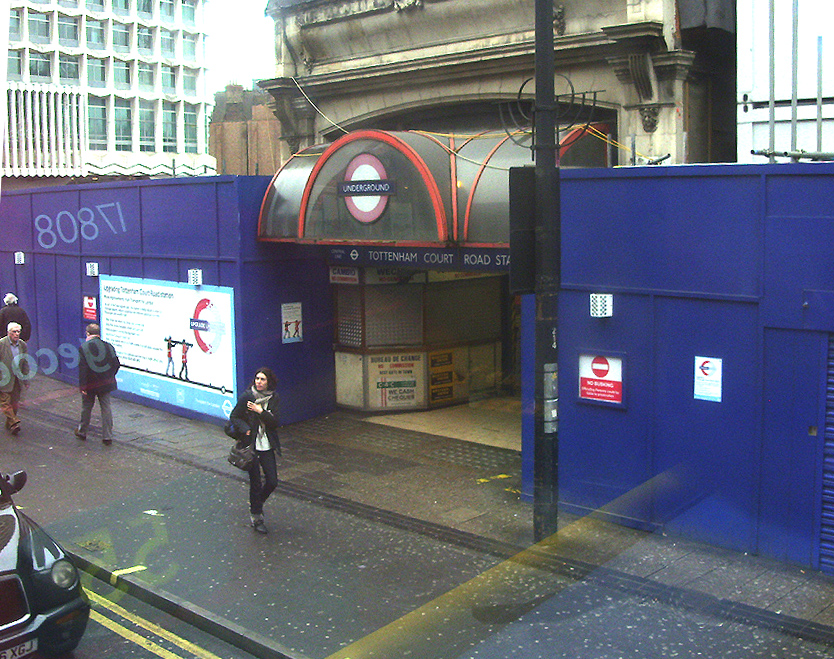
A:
(64, 574)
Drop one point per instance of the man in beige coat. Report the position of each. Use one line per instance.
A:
(14, 371)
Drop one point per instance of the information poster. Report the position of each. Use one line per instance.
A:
(175, 341)
(396, 380)
(291, 323)
(708, 379)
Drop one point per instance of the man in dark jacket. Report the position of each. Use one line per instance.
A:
(14, 313)
(97, 368)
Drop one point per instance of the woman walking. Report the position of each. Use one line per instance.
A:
(258, 409)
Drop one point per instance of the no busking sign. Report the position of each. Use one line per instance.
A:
(601, 378)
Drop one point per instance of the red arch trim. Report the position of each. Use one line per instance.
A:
(475, 186)
(399, 145)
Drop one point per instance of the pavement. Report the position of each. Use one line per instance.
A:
(465, 493)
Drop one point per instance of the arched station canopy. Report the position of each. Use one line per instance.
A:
(402, 188)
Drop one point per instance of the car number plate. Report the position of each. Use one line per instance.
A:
(23, 650)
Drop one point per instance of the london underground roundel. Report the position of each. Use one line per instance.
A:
(208, 326)
(365, 176)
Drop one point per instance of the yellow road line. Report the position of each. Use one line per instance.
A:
(196, 650)
(114, 576)
(158, 650)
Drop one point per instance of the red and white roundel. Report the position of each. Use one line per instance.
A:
(365, 208)
(208, 326)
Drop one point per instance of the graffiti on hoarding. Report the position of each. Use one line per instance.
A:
(86, 224)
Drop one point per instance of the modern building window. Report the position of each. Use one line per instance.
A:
(169, 78)
(144, 39)
(68, 3)
(97, 123)
(68, 30)
(121, 37)
(95, 34)
(68, 68)
(189, 46)
(123, 124)
(189, 11)
(121, 74)
(15, 24)
(96, 72)
(40, 66)
(189, 120)
(144, 7)
(95, 5)
(146, 76)
(15, 70)
(189, 82)
(166, 10)
(168, 43)
(121, 7)
(169, 127)
(39, 28)
(147, 125)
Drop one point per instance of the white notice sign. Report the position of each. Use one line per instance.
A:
(708, 379)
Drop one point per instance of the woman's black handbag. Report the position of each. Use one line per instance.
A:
(236, 429)
(242, 456)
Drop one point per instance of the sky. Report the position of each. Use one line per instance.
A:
(239, 44)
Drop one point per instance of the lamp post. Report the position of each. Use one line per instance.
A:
(547, 219)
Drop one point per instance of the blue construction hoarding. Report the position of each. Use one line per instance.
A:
(126, 254)
(700, 404)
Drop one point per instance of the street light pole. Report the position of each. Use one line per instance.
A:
(547, 281)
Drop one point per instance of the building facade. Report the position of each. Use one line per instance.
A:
(105, 88)
(659, 72)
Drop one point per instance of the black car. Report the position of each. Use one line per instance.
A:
(43, 609)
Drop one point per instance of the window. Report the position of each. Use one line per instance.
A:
(144, 39)
(68, 30)
(123, 125)
(169, 78)
(40, 66)
(121, 74)
(147, 125)
(189, 11)
(168, 41)
(166, 10)
(95, 5)
(95, 34)
(169, 127)
(97, 123)
(68, 68)
(189, 82)
(15, 24)
(15, 71)
(68, 3)
(189, 120)
(189, 46)
(121, 37)
(96, 72)
(144, 7)
(39, 31)
(146, 76)
(121, 6)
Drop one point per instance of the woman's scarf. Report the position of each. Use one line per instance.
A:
(261, 398)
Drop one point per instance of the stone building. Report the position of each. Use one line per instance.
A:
(244, 135)
(660, 74)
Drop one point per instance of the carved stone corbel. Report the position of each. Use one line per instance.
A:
(559, 23)
(649, 115)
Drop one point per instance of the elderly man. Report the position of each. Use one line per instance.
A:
(14, 313)
(14, 372)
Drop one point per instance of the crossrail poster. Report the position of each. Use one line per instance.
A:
(175, 341)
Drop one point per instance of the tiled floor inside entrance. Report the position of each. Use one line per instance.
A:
(491, 421)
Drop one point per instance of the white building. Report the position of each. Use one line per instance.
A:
(100, 88)
(785, 90)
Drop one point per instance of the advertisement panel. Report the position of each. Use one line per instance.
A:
(396, 380)
(175, 341)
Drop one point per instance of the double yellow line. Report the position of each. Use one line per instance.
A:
(99, 601)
